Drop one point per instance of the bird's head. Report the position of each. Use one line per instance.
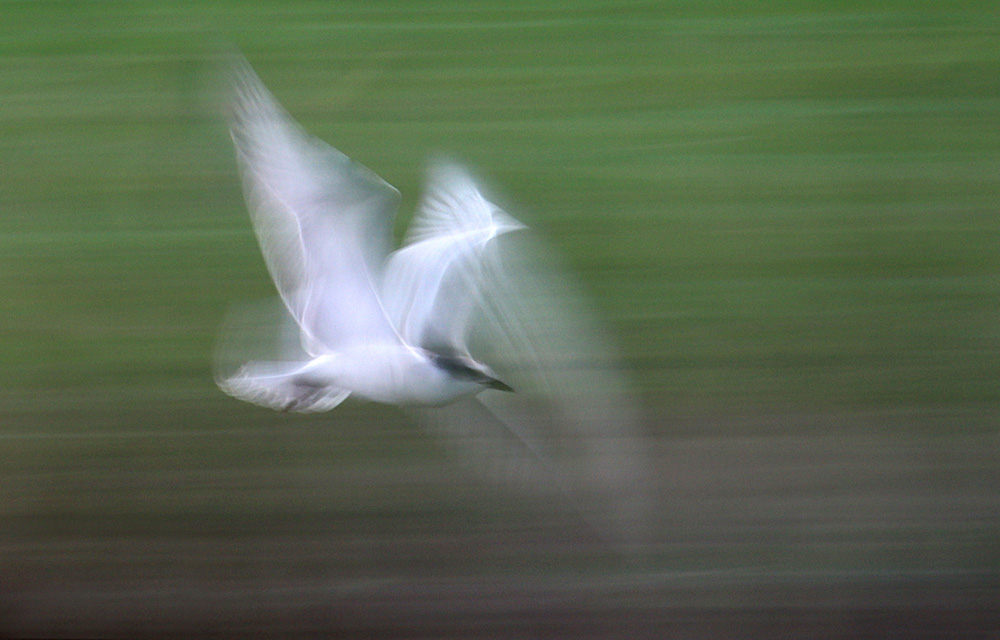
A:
(465, 368)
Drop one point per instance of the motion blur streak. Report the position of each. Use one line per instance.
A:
(786, 213)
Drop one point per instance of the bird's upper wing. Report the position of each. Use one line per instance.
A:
(322, 220)
(433, 284)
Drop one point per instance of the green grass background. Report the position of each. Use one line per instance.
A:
(787, 206)
(785, 212)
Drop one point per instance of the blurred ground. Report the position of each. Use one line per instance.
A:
(787, 216)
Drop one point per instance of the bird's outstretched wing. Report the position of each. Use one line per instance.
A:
(571, 430)
(575, 428)
(322, 220)
(433, 284)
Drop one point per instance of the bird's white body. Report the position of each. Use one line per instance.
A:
(387, 373)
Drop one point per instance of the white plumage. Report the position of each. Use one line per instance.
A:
(388, 328)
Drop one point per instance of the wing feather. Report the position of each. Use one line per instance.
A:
(433, 284)
(540, 335)
(322, 220)
(572, 429)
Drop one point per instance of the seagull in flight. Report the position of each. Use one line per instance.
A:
(390, 328)
(400, 327)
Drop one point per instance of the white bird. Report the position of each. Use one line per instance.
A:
(383, 327)
(399, 327)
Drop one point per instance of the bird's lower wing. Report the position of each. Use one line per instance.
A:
(494, 450)
(572, 428)
(594, 481)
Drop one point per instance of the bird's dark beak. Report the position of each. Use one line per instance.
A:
(493, 383)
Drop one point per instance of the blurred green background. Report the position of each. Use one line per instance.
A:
(785, 212)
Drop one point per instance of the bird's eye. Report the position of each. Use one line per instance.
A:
(454, 365)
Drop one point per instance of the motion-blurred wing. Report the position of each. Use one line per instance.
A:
(433, 284)
(322, 220)
(572, 429)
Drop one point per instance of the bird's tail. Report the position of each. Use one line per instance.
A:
(277, 385)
